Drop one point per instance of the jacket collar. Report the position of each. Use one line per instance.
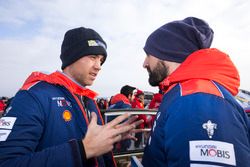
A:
(59, 78)
(208, 64)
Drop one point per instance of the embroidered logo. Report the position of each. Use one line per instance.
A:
(210, 127)
(67, 116)
(96, 43)
(62, 102)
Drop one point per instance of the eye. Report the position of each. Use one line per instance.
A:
(93, 56)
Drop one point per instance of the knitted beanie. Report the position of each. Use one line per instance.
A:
(81, 42)
(176, 40)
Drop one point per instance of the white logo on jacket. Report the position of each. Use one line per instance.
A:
(62, 102)
(210, 127)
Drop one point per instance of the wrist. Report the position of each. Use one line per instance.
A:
(89, 153)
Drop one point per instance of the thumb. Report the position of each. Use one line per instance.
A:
(93, 118)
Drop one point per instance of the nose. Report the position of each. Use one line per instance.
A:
(98, 65)
(145, 63)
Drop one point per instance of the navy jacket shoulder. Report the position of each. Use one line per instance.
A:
(198, 124)
(46, 126)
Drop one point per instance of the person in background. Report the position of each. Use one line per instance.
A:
(3, 104)
(156, 101)
(155, 104)
(122, 100)
(102, 104)
(138, 103)
(199, 122)
(54, 120)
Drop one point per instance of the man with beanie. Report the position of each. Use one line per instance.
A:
(199, 122)
(54, 121)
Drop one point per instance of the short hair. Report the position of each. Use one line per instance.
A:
(127, 90)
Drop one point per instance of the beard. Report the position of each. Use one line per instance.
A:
(158, 74)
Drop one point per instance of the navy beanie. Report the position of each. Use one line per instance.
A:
(81, 42)
(176, 40)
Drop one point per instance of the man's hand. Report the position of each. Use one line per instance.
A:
(100, 139)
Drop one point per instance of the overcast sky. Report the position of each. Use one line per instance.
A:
(31, 33)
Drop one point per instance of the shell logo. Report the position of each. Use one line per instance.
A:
(67, 116)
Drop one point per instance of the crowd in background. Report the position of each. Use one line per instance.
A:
(4, 102)
(140, 100)
(131, 97)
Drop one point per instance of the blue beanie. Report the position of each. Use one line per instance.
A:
(176, 40)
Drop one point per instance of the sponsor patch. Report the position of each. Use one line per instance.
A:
(67, 116)
(212, 151)
(62, 102)
(7, 122)
(4, 134)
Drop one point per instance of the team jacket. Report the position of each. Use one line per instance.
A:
(119, 101)
(199, 123)
(46, 122)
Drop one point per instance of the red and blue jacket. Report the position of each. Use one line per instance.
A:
(199, 122)
(46, 122)
(119, 101)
